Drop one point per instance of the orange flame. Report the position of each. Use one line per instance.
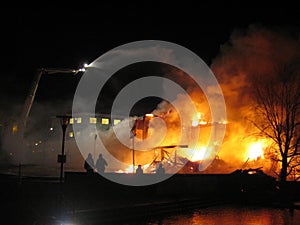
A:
(255, 150)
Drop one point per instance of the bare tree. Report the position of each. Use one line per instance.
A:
(277, 117)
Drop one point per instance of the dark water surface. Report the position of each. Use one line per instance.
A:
(229, 215)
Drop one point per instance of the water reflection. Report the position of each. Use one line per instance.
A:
(229, 215)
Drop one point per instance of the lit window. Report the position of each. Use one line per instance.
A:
(71, 120)
(78, 120)
(116, 121)
(105, 121)
(71, 134)
(93, 120)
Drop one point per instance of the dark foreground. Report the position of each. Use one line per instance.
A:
(228, 214)
(91, 199)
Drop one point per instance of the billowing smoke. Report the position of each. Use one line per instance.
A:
(251, 55)
(39, 143)
(9, 146)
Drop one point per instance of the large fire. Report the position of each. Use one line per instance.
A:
(193, 155)
(199, 120)
(199, 154)
(248, 152)
(255, 151)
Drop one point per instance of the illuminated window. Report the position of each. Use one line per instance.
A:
(93, 120)
(71, 120)
(116, 121)
(71, 134)
(78, 120)
(105, 121)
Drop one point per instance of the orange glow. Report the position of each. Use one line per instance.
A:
(129, 169)
(202, 122)
(199, 154)
(119, 171)
(192, 154)
(149, 115)
(223, 122)
(199, 120)
(15, 129)
(255, 151)
(195, 123)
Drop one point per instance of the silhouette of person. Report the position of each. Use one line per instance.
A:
(139, 170)
(101, 164)
(89, 164)
(160, 169)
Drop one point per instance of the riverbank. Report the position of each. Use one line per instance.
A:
(89, 199)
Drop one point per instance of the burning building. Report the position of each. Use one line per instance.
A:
(154, 137)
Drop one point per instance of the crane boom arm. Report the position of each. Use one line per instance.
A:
(30, 98)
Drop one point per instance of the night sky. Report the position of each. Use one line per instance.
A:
(68, 37)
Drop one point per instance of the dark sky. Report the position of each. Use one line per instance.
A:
(68, 37)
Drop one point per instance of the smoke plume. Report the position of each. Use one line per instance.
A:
(251, 55)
